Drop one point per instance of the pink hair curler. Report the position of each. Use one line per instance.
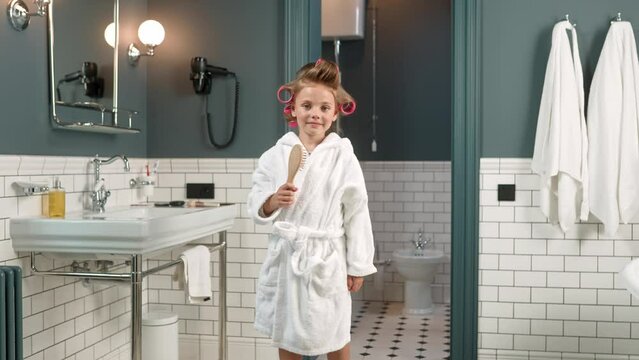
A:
(319, 61)
(279, 94)
(288, 109)
(347, 108)
(292, 124)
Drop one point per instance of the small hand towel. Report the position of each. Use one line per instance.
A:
(197, 269)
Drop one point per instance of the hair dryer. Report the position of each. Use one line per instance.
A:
(202, 74)
(93, 85)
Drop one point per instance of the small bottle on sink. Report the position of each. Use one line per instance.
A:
(56, 203)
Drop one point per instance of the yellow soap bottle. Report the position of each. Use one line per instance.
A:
(56, 200)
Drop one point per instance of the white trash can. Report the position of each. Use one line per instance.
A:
(159, 336)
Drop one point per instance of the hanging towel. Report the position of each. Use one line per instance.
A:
(612, 130)
(561, 142)
(629, 276)
(197, 269)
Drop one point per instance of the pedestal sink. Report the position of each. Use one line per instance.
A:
(130, 232)
(127, 230)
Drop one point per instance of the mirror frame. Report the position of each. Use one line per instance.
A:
(102, 127)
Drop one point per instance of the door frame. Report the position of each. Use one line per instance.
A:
(299, 34)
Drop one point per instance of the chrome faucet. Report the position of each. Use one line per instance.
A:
(100, 194)
(420, 243)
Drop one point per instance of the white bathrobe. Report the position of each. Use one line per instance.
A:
(612, 129)
(302, 299)
(561, 142)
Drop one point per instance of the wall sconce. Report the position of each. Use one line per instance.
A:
(151, 34)
(19, 15)
(109, 34)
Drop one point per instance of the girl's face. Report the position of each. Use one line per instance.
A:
(315, 110)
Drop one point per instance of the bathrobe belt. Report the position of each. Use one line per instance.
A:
(297, 237)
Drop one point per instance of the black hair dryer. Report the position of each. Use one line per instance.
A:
(88, 75)
(202, 74)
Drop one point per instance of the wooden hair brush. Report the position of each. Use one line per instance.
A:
(295, 162)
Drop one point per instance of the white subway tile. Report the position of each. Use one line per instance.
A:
(488, 198)
(580, 296)
(529, 214)
(497, 341)
(488, 262)
(547, 263)
(64, 331)
(564, 344)
(488, 293)
(514, 262)
(530, 278)
(31, 165)
(490, 230)
(612, 264)
(626, 313)
(613, 330)
(582, 231)
(497, 245)
(581, 263)
(597, 248)
(530, 342)
(498, 213)
(42, 340)
(546, 327)
(624, 232)
(563, 279)
(487, 325)
(546, 231)
(624, 346)
(626, 248)
(514, 294)
(597, 280)
(496, 309)
(613, 297)
(563, 247)
(514, 326)
(595, 312)
(515, 230)
(562, 312)
(594, 345)
(530, 311)
(530, 246)
(547, 295)
(497, 278)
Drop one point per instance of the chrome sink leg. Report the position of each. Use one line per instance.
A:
(223, 349)
(136, 307)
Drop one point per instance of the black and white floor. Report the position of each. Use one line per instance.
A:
(380, 331)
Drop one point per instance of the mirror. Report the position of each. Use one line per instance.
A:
(83, 67)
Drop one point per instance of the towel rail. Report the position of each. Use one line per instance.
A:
(136, 276)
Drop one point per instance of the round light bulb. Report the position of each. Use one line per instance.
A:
(151, 33)
(109, 34)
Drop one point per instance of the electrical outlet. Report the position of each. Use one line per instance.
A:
(506, 192)
(200, 191)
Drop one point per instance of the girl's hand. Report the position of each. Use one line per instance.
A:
(284, 197)
(354, 282)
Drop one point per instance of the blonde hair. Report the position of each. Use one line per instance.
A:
(323, 72)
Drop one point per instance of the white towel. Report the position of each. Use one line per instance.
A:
(630, 277)
(561, 141)
(197, 269)
(612, 129)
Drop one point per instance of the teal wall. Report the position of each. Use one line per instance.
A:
(26, 128)
(516, 37)
(413, 81)
(244, 36)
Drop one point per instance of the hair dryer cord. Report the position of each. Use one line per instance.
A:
(233, 127)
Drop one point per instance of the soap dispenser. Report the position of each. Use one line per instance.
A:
(56, 200)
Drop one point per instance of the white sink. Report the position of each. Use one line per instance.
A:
(129, 230)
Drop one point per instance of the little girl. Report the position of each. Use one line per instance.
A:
(321, 245)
